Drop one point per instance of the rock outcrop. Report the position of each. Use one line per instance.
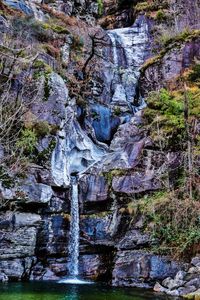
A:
(185, 283)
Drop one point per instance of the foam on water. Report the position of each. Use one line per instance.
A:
(74, 281)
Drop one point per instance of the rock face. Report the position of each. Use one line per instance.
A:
(171, 66)
(21, 5)
(103, 144)
(140, 269)
(86, 9)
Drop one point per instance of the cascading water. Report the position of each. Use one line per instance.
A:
(129, 48)
(74, 231)
(73, 246)
(76, 152)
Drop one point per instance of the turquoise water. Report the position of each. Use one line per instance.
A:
(55, 291)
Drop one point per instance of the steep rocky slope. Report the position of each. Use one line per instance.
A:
(76, 77)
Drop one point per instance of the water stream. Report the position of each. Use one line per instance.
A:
(77, 150)
(129, 48)
(74, 231)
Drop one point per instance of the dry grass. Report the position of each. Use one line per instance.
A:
(73, 24)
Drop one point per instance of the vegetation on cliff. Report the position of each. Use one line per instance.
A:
(172, 120)
(26, 62)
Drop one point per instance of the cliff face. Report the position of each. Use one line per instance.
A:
(76, 77)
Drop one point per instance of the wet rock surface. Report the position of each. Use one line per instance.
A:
(115, 160)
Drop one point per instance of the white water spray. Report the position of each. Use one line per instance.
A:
(128, 52)
(73, 247)
(74, 231)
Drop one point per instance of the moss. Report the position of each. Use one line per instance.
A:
(46, 88)
(185, 36)
(150, 62)
(114, 173)
(160, 16)
(27, 141)
(192, 296)
(43, 69)
(40, 65)
(81, 102)
(117, 111)
(100, 7)
(77, 43)
(33, 27)
(155, 5)
(54, 129)
(66, 217)
(56, 28)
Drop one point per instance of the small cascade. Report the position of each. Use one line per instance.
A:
(129, 49)
(114, 45)
(74, 231)
(114, 220)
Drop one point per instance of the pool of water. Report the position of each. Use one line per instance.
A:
(60, 291)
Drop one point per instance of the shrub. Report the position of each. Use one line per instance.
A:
(6, 180)
(42, 128)
(160, 16)
(172, 221)
(194, 75)
(117, 111)
(27, 141)
(164, 116)
(43, 157)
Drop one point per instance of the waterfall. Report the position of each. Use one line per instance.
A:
(76, 152)
(114, 46)
(73, 246)
(129, 49)
(74, 231)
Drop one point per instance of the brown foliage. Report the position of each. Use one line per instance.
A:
(67, 20)
(53, 51)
